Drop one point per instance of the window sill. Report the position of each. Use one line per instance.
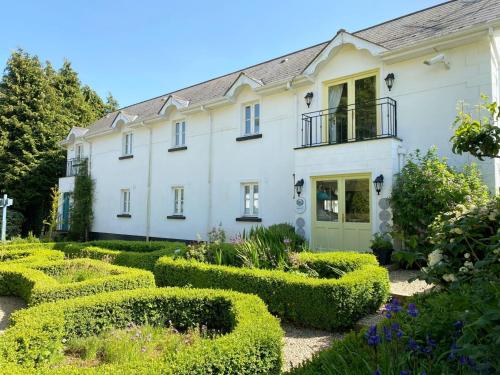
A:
(126, 216)
(177, 148)
(125, 157)
(248, 137)
(177, 217)
(251, 219)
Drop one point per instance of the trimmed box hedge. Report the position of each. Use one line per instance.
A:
(29, 255)
(143, 260)
(33, 283)
(252, 343)
(137, 246)
(324, 302)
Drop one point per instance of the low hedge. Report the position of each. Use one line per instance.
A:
(29, 255)
(143, 260)
(252, 344)
(33, 283)
(326, 303)
(137, 246)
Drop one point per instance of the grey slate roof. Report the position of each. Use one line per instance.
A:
(440, 20)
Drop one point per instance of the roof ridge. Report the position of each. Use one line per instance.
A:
(404, 15)
(224, 75)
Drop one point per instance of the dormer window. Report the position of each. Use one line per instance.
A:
(251, 119)
(127, 143)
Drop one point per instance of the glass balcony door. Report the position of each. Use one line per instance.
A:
(352, 109)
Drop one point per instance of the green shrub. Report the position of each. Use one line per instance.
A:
(15, 221)
(33, 283)
(466, 245)
(144, 260)
(427, 178)
(28, 254)
(326, 303)
(137, 246)
(252, 344)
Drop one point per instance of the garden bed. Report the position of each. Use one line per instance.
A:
(250, 341)
(37, 282)
(349, 286)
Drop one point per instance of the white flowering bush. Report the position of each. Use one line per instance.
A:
(466, 244)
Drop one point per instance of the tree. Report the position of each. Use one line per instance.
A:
(51, 221)
(481, 138)
(38, 107)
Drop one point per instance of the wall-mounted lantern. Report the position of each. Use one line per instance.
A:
(378, 183)
(389, 80)
(308, 98)
(298, 186)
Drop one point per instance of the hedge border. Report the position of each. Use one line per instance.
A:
(29, 255)
(142, 260)
(253, 345)
(34, 286)
(325, 303)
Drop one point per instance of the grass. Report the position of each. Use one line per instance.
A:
(74, 273)
(134, 343)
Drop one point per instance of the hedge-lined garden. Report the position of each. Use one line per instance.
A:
(251, 343)
(327, 301)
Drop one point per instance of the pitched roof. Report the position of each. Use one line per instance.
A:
(436, 21)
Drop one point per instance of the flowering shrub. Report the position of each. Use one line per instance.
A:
(427, 178)
(466, 245)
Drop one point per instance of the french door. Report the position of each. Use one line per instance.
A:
(341, 215)
(352, 109)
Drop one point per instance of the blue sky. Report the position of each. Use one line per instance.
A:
(144, 48)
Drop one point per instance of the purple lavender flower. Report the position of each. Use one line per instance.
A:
(404, 372)
(412, 310)
(372, 338)
(287, 241)
(453, 350)
(377, 372)
(458, 324)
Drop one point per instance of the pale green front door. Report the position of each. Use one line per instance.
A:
(341, 215)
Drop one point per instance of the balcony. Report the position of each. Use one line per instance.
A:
(373, 119)
(75, 167)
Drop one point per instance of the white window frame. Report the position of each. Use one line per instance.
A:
(125, 201)
(79, 151)
(178, 195)
(179, 132)
(128, 144)
(251, 122)
(250, 194)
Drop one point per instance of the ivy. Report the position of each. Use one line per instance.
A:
(81, 210)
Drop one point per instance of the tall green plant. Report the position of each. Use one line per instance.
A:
(81, 210)
(51, 221)
(426, 187)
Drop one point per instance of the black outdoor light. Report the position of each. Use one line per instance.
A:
(378, 183)
(298, 186)
(309, 98)
(389, 80)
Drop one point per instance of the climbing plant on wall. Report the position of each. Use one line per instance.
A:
(81, 210)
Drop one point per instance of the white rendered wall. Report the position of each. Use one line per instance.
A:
(427, 99)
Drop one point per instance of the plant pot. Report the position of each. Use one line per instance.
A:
(383, 256)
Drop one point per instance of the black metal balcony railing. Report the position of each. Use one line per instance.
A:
(74, 167)
(355, 122)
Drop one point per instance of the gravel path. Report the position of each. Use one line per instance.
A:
(302, 343)
(7, 306)
(401, 285)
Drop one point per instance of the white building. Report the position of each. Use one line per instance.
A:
(229, 150)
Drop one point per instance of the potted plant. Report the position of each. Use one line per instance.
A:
(382, 248)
